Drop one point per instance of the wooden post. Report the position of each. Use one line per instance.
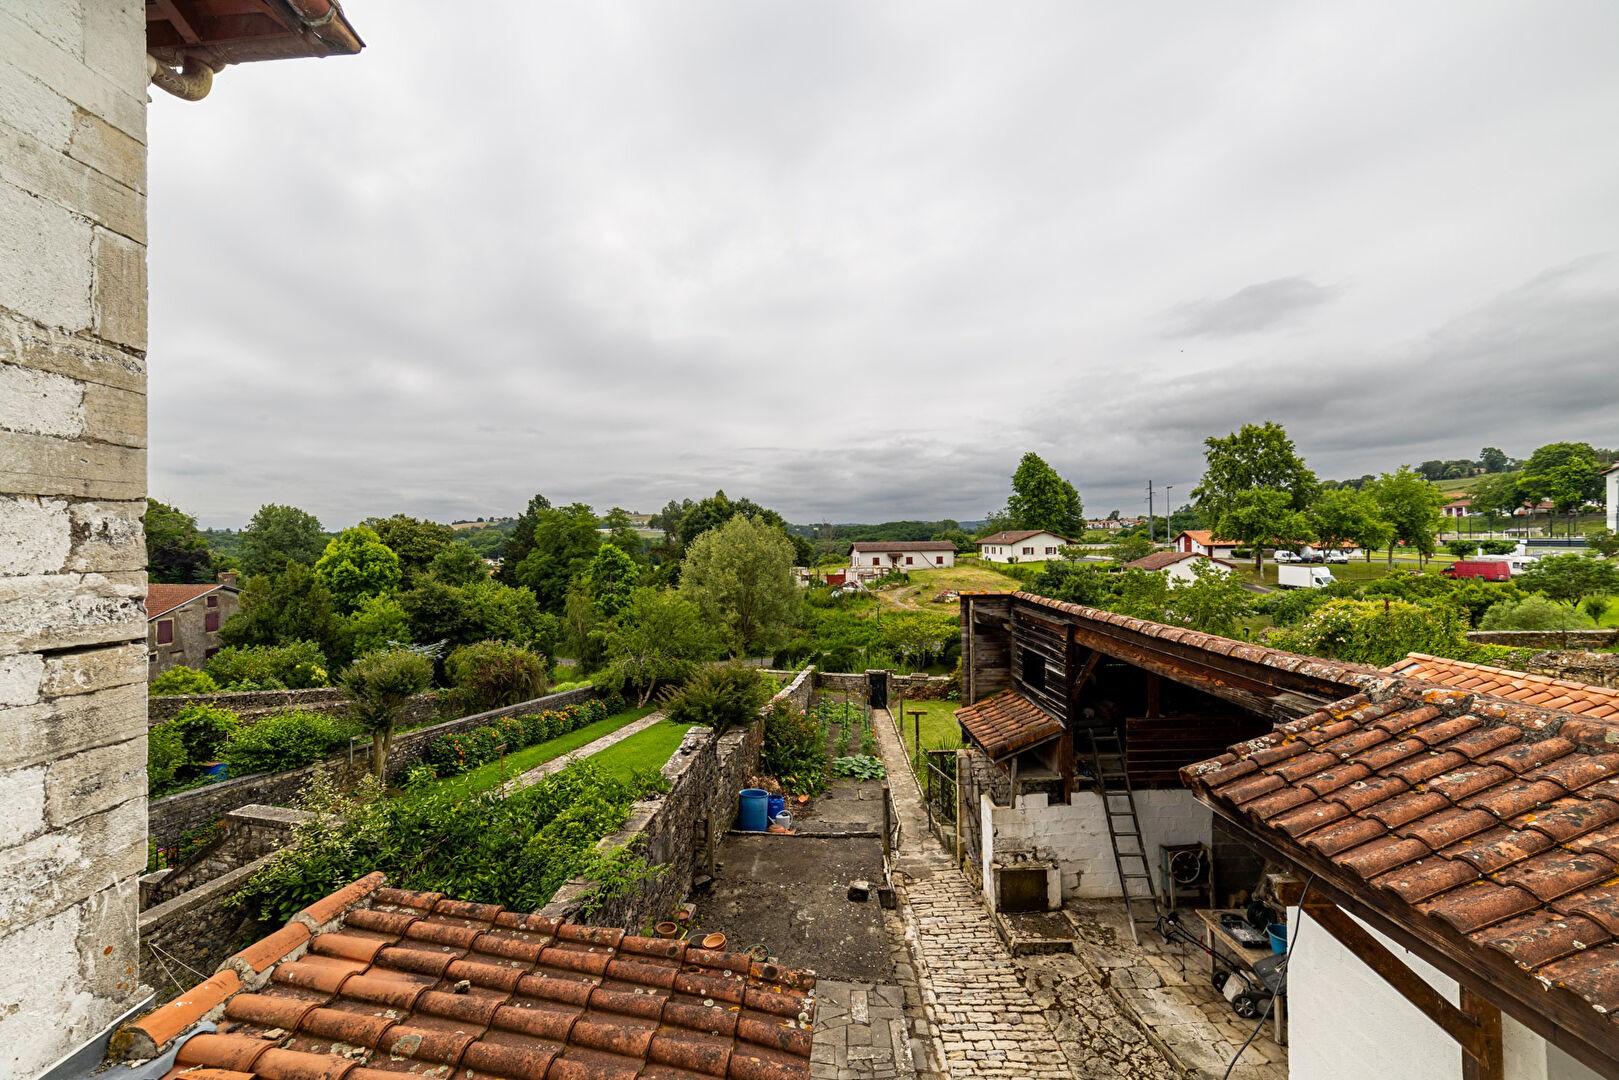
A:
(1488, 1062)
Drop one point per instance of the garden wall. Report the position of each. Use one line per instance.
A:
(1546, 639)
(1593, 669)
(171, 817)
(255, 703)
(678, 831)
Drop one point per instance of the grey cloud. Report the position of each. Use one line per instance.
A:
(1249, 310)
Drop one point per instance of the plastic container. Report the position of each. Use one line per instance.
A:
(1278, 937)
(778, 803)
(752, 817)
(784, 819)
(215, 770)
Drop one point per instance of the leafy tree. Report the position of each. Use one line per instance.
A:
(1346, 515)
(176, 553)
(1567, 473)
(1493, 460)
(1498, 493)
(278, 535)
(1130, 548)
(1604, 542)
(357, 565)
(1411, 505)
(621, 533)
(203, 730)
(380, 685)
(379, 623)
(294, 606)
(917, 638)
(740, 575)
(297, 665)
(458, 564)
(1462, 549)
(438, 612)
(1072, 583)
(1535, 612)
(611, 578)
(1213, 601)
(1498, 547)
(565, 540)
(1141, 594)
(1377, 632)
(1570, 577)
(579, 628)
(1264, 518)
(520, 541)
(507, 614)
(1257, 456)
(1041, 499)
(658, 638)
(492, 674)
(417, 542)
(715, 511)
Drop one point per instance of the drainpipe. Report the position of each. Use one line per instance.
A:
(191, 83)
(321, 23)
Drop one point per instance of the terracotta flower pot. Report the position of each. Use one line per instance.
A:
(667, 929)
(715, 942)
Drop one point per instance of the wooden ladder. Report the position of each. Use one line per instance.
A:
(1123, 826)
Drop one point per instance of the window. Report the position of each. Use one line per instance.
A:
(909, 560)
(939, 559)
(1034, 670)
(1051, 551)
(1028, 551)
(213, 601)
(874, 560)
(210, 622)
(165, 632)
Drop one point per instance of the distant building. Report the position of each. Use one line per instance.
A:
(1179, 565)
(1202, 542)
(1612, 476)
(1458, 508)
(902, 555)
(183, 621)
(1023, 545)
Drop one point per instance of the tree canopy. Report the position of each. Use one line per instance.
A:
(1411, 507)
(1041, 499)
(278, 535)
(176, 553)
(1567, 473)
(357, 565)
(740, 576)
(416, 541)
(1256, 456)
(1264, 517)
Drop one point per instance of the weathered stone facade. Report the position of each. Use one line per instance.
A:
(173, 816)
(1593, 669)
(189, 633)
(72, 495)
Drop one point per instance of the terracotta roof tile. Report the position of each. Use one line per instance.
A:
(162, 599)
(1484, 821)
(419, 984)
(1007, 723)
(1553, 693)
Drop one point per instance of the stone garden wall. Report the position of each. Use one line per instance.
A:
(1547, 639)
(250, 704)
(1593, 669)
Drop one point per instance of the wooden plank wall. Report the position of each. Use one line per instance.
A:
(986, 646)
(1046, 641)
(1156, 749)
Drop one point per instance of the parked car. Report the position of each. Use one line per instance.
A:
(1304, 577)
(1311, 555)
(1338, 557)
(1285, 557)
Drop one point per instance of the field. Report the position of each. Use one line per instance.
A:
(487, 776)
(926, 584)
(645, 750)
(939, 728)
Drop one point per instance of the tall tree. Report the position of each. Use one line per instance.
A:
(293, 606)
(379, 687)
(716, 510)
(658, 637)
(611, 577)
(1493, 460)
(1571, 577)
(1264, 518)
(740, 575)
(357, 565)
(1256, 456)
(1567, 473)
(1346, 516)
(278, 535)
(416, 541)
(564, 541)
(1411, 507)
(622, 535)
(1041, 499)
(520, 541)
(176, 553)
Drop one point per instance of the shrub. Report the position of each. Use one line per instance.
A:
(721, 697)
(295, 666)
(1535, 612)
(288, 740)
(380, 685)
(182, 680)
(492, 674)
(165, 757)
(794, 749)
(1462, 549)
(1376, 632)
(203, 730)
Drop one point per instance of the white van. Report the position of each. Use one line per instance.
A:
(1304, 577)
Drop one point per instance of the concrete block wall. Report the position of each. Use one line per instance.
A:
(72, 495)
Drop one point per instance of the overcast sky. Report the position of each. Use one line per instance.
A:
(852, 260)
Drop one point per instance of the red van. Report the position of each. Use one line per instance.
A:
(1491, 570)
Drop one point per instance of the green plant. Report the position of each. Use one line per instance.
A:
(288, 740)
(182, 680)
(379, 685)
(1535, 612)
(794, 749)
(297, 665)
(492, 674)
(721, 696)
(862, 767)
(203, 730)
(165, 757)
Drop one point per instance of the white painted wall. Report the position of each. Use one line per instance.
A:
(1037, 546)
(1343, 1020)
(1075, 835)
(1613, 501)
(920, 560)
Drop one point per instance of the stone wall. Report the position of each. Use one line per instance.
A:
(175, 815)
(1547, 639)
(251, 704)
(72, 494)
(1593, 669)
(678, 830)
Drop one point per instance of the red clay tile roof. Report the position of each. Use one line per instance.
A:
(1160, 560)
(1205, 537)
(395, 982)
(1542, 690)
(1014, 536)
(1491, 824)
(162, 599)
(1006, 723)
(902, 545)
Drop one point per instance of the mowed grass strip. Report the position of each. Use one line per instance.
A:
(940, 731)
(487, 776)
(645, 750)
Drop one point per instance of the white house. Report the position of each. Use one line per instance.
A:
(1613, 497)
(1023, 545)
(1202, 542)
(902, 554)
(1179, 565)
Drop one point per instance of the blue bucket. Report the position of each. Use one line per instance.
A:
(752, 817)
(215, 770)
(1278, 937)
(778, 803)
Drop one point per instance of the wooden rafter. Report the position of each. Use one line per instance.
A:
(181, 24)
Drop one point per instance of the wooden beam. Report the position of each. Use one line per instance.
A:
(1371, 952)
(171, 13)
(1489, 1063)
(1154, 709)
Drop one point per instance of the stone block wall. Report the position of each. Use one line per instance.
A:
(328, 699)
(72, 496)
(677, 830)
(175, 815)
(1593, 669)
(1547, 639)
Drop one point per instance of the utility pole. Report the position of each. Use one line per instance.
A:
(1149, 510)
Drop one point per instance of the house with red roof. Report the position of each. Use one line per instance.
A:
(1022, 545)
(1203, 542)
(1179, 565)
(183, 622)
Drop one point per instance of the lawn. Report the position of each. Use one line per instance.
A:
(645, 750)
(939, 728)
(926, 584)
(487, 776)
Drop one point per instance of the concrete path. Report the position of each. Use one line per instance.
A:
(988, 1014)
(595, 746)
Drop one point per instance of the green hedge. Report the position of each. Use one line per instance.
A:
(451, 755)
(286, 741)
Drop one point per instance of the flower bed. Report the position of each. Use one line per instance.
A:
(453, 755)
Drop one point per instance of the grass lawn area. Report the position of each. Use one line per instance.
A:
(939, 728)
(926, 584)
(487, 776)
(644, 750)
